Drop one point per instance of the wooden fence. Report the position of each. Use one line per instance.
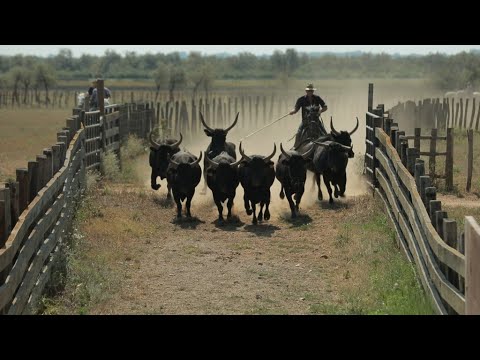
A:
(36, 209)
(426, 235)
(433, 113)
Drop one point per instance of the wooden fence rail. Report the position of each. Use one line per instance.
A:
(36, 209)
(426, 235)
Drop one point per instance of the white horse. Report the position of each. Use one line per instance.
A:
(81, 99)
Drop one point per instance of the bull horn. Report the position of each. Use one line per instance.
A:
(335, 132)
(234, 123)
(198, 160)
(268, 158)
(284, 152)
(211, 162)
(177, 144)
(356, 127)
(154, 144)
(173, 163)
(242, 153)
(324, 144)
(232, 165)
(205, 124)
(307, 153)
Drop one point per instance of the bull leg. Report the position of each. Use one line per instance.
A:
(291, 203)
(153, 182)
(260, 213)
(219, 207)
(317, 177)
(189, 203)
(230, 205)
(169, 191)
(267, 204)
(179, 204)
(282, 195)
(343, 185)
(247, 205)
(254, 210)
(298, 198)
(335, 190)
(329, 189)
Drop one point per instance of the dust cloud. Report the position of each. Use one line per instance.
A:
(346, 101)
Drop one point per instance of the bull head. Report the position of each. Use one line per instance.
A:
(214, 164)
(335, 132)
(209, 131)
(266, 159)
(175, 164)
(333, 143)
(156, 145)
(305, 155)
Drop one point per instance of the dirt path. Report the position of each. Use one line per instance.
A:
(196, 267)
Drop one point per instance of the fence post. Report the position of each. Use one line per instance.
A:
(412, 155)
(419, 171)
(5, 215)
(416, 141)
(433, 151)
(101, 107)
(449, 161)
(472, 266)
(469, 159)
(23, 189)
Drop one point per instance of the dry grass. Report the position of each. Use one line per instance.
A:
(24, 134)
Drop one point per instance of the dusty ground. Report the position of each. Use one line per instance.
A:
(136, 258)
(200, 266)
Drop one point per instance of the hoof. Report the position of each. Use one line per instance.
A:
(330, 201)
(260, 217)
(294, 215)
(254, 221)
(282, 195)
(156, 186)
(249, 211)
(267, 215)
(320, 197)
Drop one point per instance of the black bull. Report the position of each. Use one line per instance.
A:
(222, 179)
(256, 174)
(160, 155)
(341, 137)
(330, 160)
(291, 171)
(183, 175)
(217, 145)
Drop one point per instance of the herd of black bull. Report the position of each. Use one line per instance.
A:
(328, 156)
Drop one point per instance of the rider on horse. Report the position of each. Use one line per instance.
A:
(312, 106)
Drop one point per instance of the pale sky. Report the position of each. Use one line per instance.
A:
(46, 50)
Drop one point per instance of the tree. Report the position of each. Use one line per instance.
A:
(44, 76)
(177, 80)
(161, 77)
(15, 76)
(26, 80)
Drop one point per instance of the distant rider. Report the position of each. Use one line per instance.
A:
(308, 102)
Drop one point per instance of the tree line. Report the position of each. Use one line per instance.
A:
(176, 70)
